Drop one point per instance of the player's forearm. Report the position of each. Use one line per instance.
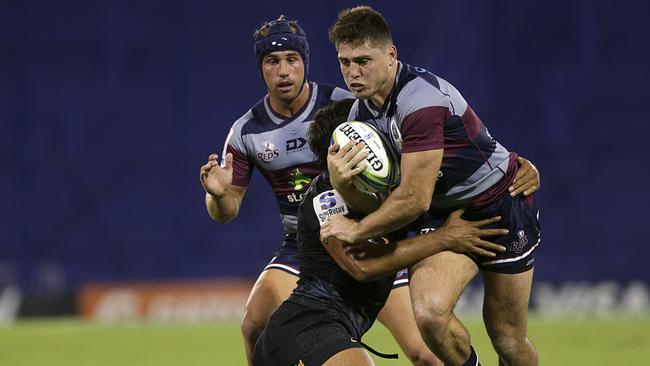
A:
(222, 209)
(405, 254)
(357, 200)
(399, 209)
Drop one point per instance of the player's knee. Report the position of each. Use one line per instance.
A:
(433, 318)
(508, 341)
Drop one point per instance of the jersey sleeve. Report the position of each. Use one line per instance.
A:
(242, 168)
(423, 129)
(424, 107)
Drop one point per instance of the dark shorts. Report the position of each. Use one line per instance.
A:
(518, 214)
(302, 332)
(286, 259)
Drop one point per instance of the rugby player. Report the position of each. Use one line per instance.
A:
(323, 320)
(271, 137)
(448, 160)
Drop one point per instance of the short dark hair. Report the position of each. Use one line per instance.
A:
(325, 122)
(359, 25)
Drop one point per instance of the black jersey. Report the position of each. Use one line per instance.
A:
(320, 277)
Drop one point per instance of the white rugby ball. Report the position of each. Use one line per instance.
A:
(382, 172)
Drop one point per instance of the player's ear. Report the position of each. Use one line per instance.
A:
(392, 53)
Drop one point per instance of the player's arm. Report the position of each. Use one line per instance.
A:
(222, 198)
(224, 208)
(371, 260)
(408, 201)
(343, 163)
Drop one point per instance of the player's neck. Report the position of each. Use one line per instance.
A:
(380, 98)
(289, 109)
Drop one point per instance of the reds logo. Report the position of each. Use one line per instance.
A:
(270, 152)
(518, 245)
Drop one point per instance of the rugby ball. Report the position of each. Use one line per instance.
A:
(382, 172)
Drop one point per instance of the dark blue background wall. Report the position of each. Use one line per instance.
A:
(109, 108)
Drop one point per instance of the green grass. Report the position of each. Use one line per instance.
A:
(71, 342)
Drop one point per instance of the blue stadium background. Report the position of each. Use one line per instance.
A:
(109, 108)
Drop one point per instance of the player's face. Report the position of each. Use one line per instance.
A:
(367, 69)
(283, 74)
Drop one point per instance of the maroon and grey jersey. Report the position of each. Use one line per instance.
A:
(278, 147)
(425, 112)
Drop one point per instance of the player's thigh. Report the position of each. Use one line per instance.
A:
(437, 282)
(505, 307)
(350, 356)
(272, 287)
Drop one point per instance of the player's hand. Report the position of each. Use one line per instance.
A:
(466, 236)
(216, 179)
(527, 180)
(345, 162)
(341, 228)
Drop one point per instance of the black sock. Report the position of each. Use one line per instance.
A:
(473, 358)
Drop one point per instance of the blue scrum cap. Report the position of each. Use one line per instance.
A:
(281, 35)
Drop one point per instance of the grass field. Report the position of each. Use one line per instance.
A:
(70, 342)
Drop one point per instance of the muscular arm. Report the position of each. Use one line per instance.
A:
(225, 208)
(370, 261)
(411, 198)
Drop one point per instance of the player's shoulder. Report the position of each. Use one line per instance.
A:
(332, 92)
(419, 88)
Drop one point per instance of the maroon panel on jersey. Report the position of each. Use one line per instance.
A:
(472, 123)
(241, 167)
(424, 129)
(291, 179)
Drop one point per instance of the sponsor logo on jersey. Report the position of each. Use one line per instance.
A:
(296, 145)
(328, 204)
(295, 198)
(426, 230)
(518, 245)
(298, 180)
(270, 152)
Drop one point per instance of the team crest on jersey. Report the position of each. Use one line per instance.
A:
(270, 152)
(521, 242)
(395, 135)
(328, 204)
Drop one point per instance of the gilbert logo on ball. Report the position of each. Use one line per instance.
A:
(382, 172)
